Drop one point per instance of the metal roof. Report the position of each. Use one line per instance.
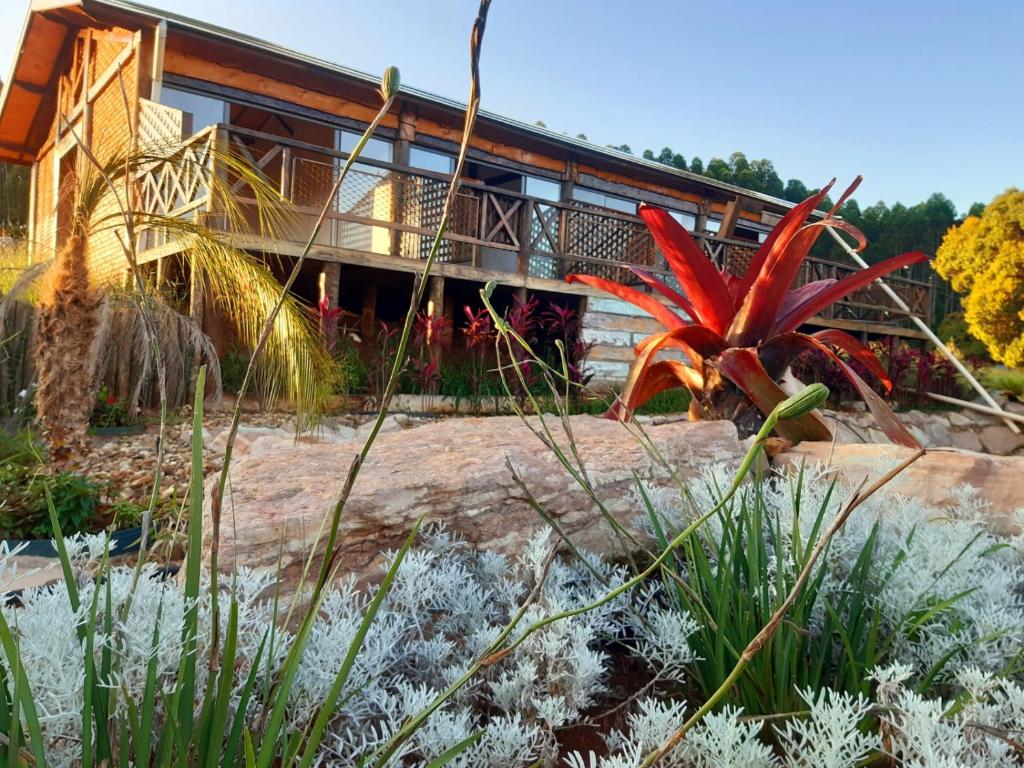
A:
(212, 30)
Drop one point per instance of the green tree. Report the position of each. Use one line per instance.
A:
(719, 169)
(795, 191)
(697, 165)
(14, 187)
(621, 148)
(983, 258)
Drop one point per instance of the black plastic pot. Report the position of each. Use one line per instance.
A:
(127, 429)
(121, 543)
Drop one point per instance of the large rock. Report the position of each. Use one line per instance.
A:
(454, 472)
(933, 479)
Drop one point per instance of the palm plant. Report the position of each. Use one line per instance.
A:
(73, 338)
(744, 334)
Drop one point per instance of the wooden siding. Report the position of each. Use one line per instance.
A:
(615, 328)
(101, 113)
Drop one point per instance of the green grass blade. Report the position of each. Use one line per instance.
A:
(326, 712)
(225, 683)
(187, 681)
(62, 552)
(237, 727)
(451, 753)
(22, 693)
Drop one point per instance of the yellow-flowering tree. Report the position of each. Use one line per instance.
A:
(983, 259)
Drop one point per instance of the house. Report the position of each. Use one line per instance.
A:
(535, 205)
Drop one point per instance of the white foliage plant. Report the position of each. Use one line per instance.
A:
(450, 601)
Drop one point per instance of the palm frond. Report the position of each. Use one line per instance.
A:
(243, 205)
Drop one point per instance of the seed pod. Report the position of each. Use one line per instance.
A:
(802, 402)
(389, 83)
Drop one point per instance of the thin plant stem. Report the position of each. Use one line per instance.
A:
(217, 499)
(419, 291)
(498, 650)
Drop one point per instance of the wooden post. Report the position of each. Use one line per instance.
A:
(33, 191)
(701, 223)
(434, 309)
(286, 173)
(368, 324)
(524, 234)
(403, 143)
(330, 289)
(732, 213)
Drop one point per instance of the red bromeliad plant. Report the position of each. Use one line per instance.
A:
(744, 332)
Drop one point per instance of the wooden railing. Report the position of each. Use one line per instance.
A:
(394, 210)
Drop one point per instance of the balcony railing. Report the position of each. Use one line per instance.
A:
(393, 210)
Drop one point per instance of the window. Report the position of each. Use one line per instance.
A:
(594, 197)
(200, 111)
(431, 161)
(375, 149)
(545, 189)
(712, 225)
(687, 220)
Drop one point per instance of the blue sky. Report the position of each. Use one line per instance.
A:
(917, 96)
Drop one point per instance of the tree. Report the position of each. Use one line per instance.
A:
(697, 165)
(795, 191)
(976, 209)
(582, 137)
(621, 148)
(719, 169)
(66, 348)
(14, 185)
(983, 258)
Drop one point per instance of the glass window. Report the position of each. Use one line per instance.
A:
(594, 197)
(545, 189)
(203, 111)
(375, 149)
(688, 220)
(431, 161)
(712, 226)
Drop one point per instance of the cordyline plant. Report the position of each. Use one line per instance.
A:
(744, 333)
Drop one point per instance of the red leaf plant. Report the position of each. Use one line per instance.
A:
(744, 330)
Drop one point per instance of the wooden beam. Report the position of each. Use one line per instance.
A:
(732, 212)
(368, 324)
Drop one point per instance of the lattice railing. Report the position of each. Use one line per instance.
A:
(179, 184)
(393, 210)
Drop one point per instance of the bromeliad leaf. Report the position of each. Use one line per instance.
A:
(742, 339)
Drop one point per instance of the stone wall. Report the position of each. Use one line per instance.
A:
(614, 327)
(963, 429)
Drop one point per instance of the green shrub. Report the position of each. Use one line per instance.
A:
(735, 574)
(232, 369)
(953, 328)
(110, 410)
(670, 401)
(81, 504)
(1004, 380)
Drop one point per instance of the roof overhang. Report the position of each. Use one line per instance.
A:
(28, 99)
(31, 89)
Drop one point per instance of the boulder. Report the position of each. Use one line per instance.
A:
(456, 472)
(1000, 439)
(933, 479)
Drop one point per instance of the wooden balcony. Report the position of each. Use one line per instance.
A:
(386, 214)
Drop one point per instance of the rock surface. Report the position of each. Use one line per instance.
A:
(933, 479)
(968, 430)
(455, 472)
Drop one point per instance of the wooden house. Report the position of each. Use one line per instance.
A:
(535, 205)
